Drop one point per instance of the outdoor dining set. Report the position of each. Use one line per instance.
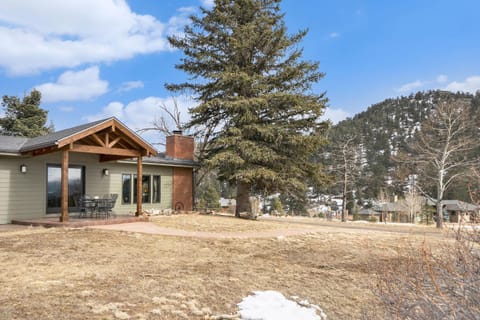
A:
(97, 206)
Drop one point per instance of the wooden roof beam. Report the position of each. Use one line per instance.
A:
(98, 140)
(104, 150)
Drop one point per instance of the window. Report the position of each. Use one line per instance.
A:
(146, 189)
(126, 188)
(150, 189)
(76, 186)
(156, 189)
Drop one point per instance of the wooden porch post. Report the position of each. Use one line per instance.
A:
(64, 213)
(139, 185)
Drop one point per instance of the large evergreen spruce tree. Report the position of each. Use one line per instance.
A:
(252, 86)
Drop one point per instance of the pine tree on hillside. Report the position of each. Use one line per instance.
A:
(24, 117)
(385, 129)
(252, 86)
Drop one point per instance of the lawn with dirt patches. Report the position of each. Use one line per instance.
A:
(217, 223)
(96, 274)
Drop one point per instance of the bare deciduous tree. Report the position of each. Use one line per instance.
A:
(413, 204)
(169, 120)
(441, 149)
(345, 166)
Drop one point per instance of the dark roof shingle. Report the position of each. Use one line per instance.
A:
(50, 139)
(10, 144)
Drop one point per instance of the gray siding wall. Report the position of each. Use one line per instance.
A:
(23, 196)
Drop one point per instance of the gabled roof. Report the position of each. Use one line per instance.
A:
(108, 137)
(53, 138)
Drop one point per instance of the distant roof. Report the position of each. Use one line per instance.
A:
(367, 212)
(390, 207)
(456, 205)
(450, 205)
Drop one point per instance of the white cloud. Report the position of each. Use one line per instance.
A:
(335, 115)
(207, 3)
(408, 87)
(442, 78)
(48, 34)
(471, 84)
(130, 85)
(140, 114)
(74, 85)
(176, 23)
(334, 35)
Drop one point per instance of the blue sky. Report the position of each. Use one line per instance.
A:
(97, 58)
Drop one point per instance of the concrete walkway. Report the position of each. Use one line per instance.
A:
(11, 227)
(152, 228)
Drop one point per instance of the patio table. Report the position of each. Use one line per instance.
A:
(97, 205)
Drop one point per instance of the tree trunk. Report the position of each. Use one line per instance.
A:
(243, 198)
(440, 189)
(344, 197)
(439, 214)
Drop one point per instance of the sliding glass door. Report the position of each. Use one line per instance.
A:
(76, 187)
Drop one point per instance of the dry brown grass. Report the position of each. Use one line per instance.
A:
(93, 274)
(215, 223)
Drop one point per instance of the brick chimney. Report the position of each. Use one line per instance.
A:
(179, 146)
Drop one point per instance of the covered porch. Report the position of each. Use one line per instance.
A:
(107, 140)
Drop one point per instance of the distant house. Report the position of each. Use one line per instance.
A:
(393, 211)
(42, 176)
(454, 210)
(367, 214)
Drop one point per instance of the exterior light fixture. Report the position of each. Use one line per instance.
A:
(23, 168)
(106, 172)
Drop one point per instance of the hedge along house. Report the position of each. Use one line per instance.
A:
(42, 176)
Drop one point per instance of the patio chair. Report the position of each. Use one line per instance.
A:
(106, 204)
(87, 206)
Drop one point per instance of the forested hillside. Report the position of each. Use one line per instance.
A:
(376, 136)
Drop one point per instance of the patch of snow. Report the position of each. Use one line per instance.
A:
(272, 305)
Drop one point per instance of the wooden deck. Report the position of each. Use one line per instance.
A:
(78, 222)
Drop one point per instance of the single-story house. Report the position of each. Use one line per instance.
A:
(456, 210)
(367, 214)
(42, 176)
(391, 211)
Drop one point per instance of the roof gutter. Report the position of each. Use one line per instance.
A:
(10, 154)
(178, 165)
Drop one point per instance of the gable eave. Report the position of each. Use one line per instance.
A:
(56, 144)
